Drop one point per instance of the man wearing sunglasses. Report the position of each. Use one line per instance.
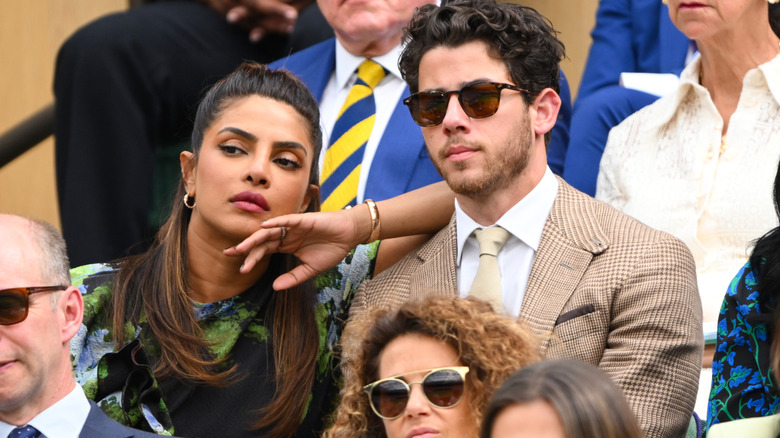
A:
(596, 284)
(39, 313)
(392, 159)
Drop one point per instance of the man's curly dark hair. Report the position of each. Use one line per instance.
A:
(520, 37)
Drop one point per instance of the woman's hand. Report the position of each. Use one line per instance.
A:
(319, 240)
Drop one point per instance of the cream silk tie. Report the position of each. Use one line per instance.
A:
(487, 282)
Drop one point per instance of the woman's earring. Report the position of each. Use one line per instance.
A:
(187, 199)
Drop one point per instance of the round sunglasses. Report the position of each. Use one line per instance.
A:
(478, 100)
(443, 388)
(15, 302)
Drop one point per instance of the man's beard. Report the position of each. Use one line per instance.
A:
(499, 171)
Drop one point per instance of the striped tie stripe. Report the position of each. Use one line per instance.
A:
(341, 170)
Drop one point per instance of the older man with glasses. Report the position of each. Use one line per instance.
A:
(39, 313)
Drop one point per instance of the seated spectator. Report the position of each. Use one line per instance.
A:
(428, 367)
(609, 290)
(743, 382)
(559, 398)
(630, 36)
(190, 336)
(39, 314)
(699, 163)
(127, 84)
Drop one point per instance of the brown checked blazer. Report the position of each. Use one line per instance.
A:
(604, 288)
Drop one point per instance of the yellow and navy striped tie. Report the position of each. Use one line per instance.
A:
(341, 170)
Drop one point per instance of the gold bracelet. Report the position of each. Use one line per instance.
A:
(376, 225)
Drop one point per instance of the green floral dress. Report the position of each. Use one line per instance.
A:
(123, 383)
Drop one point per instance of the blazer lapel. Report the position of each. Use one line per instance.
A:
(313, 66)
(570, 239)
(436, 274)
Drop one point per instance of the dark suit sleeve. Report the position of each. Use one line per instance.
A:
(654, 347)
(611, 51)
(559, 141)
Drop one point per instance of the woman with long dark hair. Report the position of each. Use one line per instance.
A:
(190, 337)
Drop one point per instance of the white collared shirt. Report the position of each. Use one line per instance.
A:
(63, 419)
(386, 94)
(525, 222)
(669, 166)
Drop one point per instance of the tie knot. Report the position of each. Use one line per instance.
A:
(370, 73)
(491, 240)
(24, 432)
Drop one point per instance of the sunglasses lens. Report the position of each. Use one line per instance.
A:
(480, 100)
(444, 388)
(428, 108)
(389, 398)
(13, 306)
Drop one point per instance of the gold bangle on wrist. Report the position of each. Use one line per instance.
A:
(376, 225)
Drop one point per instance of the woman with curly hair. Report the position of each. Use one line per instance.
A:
(428, 367)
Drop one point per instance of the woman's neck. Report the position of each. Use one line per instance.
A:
(213, 276)
(726, 59)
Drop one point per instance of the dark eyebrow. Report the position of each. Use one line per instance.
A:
(278, 145)
(462, 84)
(290, 145)
(240, 132)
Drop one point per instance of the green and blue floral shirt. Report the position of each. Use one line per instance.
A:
(742, 382)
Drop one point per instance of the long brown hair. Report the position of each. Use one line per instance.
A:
(155, 283)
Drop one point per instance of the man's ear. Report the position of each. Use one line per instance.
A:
(311, 194)
(71, 306)
(187, 162)
(544, 110)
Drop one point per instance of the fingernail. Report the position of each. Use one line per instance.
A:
(241, 268)
(255, 35)
(290, 15)
(232, 16)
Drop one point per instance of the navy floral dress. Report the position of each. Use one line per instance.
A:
(742, 382)
(123, 382)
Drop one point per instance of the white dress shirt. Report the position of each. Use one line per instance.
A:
(669, 166)
(525, 222)
(63, 419)
(386, 94)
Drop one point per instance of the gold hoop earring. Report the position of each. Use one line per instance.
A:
(187, 199)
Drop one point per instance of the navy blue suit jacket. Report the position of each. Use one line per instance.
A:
(401, 163)
(99, 425)
(632, 36)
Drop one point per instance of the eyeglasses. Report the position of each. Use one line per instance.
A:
(15, 302)
(443, 387)
(478, 100)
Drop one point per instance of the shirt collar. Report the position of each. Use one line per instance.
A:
(347, 63)
(689, 82)
(63, 419)
(525, 220)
